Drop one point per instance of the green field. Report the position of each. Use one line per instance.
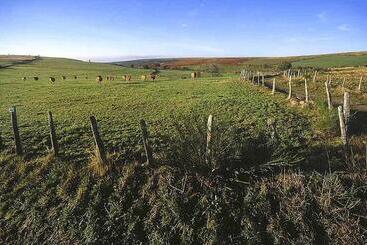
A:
(333, 60)
(119, 105)
(256, 188)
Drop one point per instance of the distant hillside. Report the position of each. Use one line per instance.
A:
(9, 60)
(334, 60)
(236, 63)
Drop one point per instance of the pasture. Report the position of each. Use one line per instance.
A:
(262, 184)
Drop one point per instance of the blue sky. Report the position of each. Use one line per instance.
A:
(112, 29)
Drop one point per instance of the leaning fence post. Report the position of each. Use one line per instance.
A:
(314, 77)
(343, 131)
(54, 145)
(290, 88)
(14, 122)
(100, 150)
(306, 91)
(273, 90)
(147, 148)
(208, 156)
(328, 96)
(360, 85)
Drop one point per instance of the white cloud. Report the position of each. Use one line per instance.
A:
(322, 16)
(344, 27)
(184, 25)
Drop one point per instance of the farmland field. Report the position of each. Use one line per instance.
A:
(264, 182)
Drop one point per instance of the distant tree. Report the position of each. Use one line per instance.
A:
(211, 69)
(284, 66)
(146, 66)
(132, 65)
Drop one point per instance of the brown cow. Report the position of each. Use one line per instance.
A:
(99, 78)
(128, 77)
(24, 78)
(153, 76)
(35, 78)
(51, 79)
(75, 77)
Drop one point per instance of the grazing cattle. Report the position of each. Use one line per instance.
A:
(99, 78)
(107, 78)
(127, 77)
(24, 78)
(35, 78)
(51, 79)
(194, 75)
(124, 78)
(75, 77)
(63, 78)
(153, 76)
(86, 77)
(144, 77)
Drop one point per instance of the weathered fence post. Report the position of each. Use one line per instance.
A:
(208, 155)
(147, 148)
(290, 88)
(54, 145)
(314, 77)
(100, 150)
(343, 132)
(328, 96)
(14, 122)
(1, 139)
(346, 109)
(306, 92)
(273, 90)
(272, 128)
(360, 85)
(263, 79)
(258, 78)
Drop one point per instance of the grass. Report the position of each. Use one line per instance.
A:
(334, 60)
(290, 189)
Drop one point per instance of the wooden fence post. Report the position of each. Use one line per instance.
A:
(147, 148)
(343, 131)
(290, 88)
(14, 122)
(263, 79)
(258, 78)
(328, 96)
(346, 109)
(273, 90)
(208, 155)
(1, 139)
(306, 91)
(272, 128)
(314, 77)
(360, 85)
(100, 150)
(54, 144)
